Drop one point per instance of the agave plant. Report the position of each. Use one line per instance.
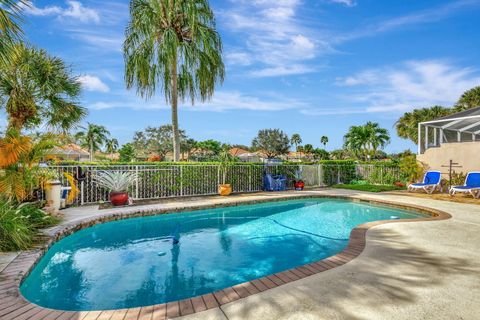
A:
(115, 181)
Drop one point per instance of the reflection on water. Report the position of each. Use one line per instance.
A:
(134, 262)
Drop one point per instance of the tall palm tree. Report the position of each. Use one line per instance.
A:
(296, 140)
(93, 137)
(173, 44)
(324, 140)
(38, 88)
(111, 145)
(10, 31)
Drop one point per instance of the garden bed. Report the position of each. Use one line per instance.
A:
(368, 187)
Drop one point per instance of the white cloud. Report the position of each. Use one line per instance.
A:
(92, 83)
(275, 41)
(106, 40)
(282, 71)
(221, 101)
(74, 10)
(238, 58)
(412, 84)
(348, 3)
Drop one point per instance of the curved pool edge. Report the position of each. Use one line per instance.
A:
(14, 306)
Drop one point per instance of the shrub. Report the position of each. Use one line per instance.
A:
(19, 224)
(411, 168)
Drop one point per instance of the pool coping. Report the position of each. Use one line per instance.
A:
(14, 306)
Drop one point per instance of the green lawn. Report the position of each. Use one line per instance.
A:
(367, 187)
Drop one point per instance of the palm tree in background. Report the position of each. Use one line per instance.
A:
(111, 145)
(407, 125)
(10, 31)
(37, 88)
(92, 137)
(365, 140)
(469, 99)
(378, 137)
(324, 140)
(296, 140)
(173, 44)
(308, 150)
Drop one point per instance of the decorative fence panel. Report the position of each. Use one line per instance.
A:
(165, 181)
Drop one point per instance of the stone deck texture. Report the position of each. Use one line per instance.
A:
(419, 270)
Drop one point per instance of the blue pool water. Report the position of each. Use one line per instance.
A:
(135, 262)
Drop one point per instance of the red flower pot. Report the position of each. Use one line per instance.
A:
(299, 185)
(119, 198)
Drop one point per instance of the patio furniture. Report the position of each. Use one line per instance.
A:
(471, 186)
(431, 182)
(277, 182)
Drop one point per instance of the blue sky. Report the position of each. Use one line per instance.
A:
(310, 67)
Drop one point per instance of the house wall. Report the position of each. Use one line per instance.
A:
(466, 154)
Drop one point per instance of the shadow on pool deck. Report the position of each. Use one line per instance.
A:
(366, 288)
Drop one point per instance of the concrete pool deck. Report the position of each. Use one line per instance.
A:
(424, 270)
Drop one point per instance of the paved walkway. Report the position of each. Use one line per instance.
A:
(420, 270)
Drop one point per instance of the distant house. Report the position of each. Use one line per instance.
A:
(237, 151)
(70, 152)
(295, 156)
(250, 157)
(455, 137)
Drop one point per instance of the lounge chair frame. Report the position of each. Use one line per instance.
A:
(474, 191)
(428, 188)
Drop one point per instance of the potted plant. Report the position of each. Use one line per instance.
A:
(226, 160)
(117, 183)
(298, 183)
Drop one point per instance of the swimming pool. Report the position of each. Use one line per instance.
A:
(150, 260)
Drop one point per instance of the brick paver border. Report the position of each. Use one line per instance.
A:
(14, 306)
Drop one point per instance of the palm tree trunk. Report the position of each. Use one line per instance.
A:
(176, 135)
(91, 150)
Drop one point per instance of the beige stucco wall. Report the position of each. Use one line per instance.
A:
(467, 154)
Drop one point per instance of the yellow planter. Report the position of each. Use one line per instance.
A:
(225, 189)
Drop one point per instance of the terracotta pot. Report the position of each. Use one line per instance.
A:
(225, 189)
(119, 198)
(299, 185)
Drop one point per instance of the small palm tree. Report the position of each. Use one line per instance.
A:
(37, 88)
(308, 150)
(324, 140)
(111, 145)
(93, 137)
(173, 44)
(378, 137)
(365, 140)
(296, 140)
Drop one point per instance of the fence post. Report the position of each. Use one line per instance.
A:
(181, 181)
(381, 175)
(320, 174)
(82, 200)
(249, 178)
(136, 181)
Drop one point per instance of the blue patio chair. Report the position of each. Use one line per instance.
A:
(471, 186)
(431, 182)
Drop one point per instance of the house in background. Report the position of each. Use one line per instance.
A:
(71, 152)
(455, 137)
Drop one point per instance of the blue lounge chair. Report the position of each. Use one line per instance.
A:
(431, 182)
(471, 186)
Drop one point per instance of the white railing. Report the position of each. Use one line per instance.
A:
(165, 181)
